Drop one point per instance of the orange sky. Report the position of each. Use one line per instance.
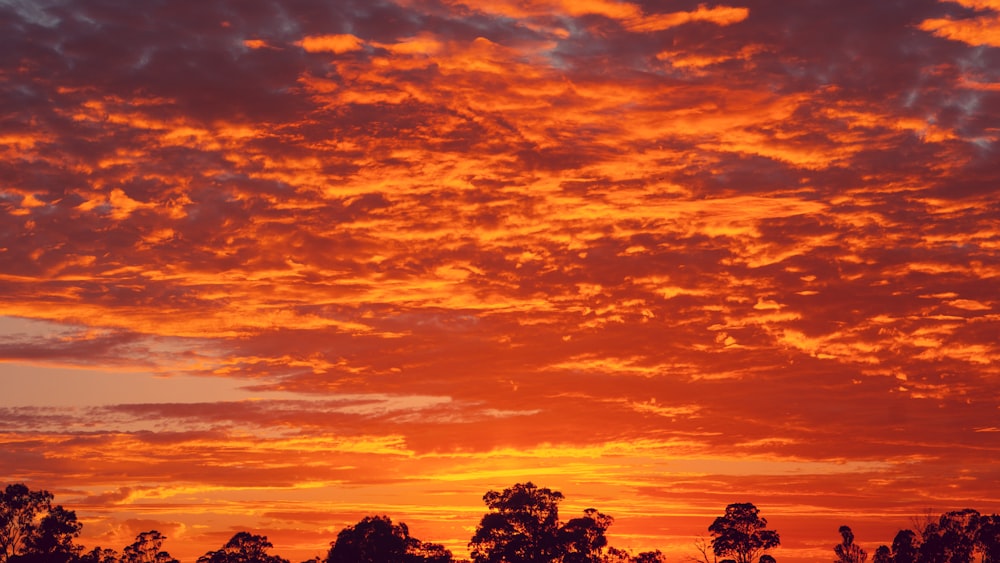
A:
(273, 266)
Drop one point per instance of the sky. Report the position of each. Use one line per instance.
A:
(275, 266)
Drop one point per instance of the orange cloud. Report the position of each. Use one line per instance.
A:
(336, 44)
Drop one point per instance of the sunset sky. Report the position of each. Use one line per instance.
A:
(276, 265)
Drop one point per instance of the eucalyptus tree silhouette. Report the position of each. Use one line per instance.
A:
(988, 538)
(742, 534)
(905, 547)
(147, 548)
(32, 530)
(375, 539)
(243, 547)
(100, 555)
(582, 539)
(523, 526)
(848, 551)
(952, 539)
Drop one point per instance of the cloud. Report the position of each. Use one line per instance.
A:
(336, 44)
(980, 29)
(327, 258)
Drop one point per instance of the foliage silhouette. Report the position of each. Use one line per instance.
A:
(951, 539)
(988, 538)
(243, 547)
(742, 533)
(848, 551)
(522, 526)
(650, 557)
(100, 555)
(34, 531)
(959, 536)
(53, 537)
(147, 548)
(375, 539)
(882, 555)
(582, 539)
(905, 547)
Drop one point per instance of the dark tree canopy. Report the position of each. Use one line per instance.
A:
(147, 548)
(951, 539)
(905, 547)
(959, 536)
(18, 508)
(582, 539)
(521, 527)
(243, 547)
(650, 557)
(32, 530)
(882, 555)
(988, 538)
(375, 539)
(100, 555)
(742, 534)
(53, 537)
(848, 551)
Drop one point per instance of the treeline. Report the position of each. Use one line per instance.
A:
(522, 525)
(959, 536)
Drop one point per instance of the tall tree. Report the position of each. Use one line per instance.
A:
(905, 547)
(848, 551)
(100, 555)
(952, 539)
(147, 548)
(20, 507)
(375, 539)
(52, 540)
(243, 547)
(521, 527)
(742, 534)
(582, 540)
(988, 538)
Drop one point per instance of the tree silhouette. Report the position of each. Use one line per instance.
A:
(741, 533)
(882, 555)
(650, 557)
(952, 539)
(582, 539)
(243, 547)
(147, 548)
(18, 508)
(100, 555)
(52, 538)
(988, 538)
(34, 531)
(375, 539)
(905, 547)
(848, 551)
(521, 527)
